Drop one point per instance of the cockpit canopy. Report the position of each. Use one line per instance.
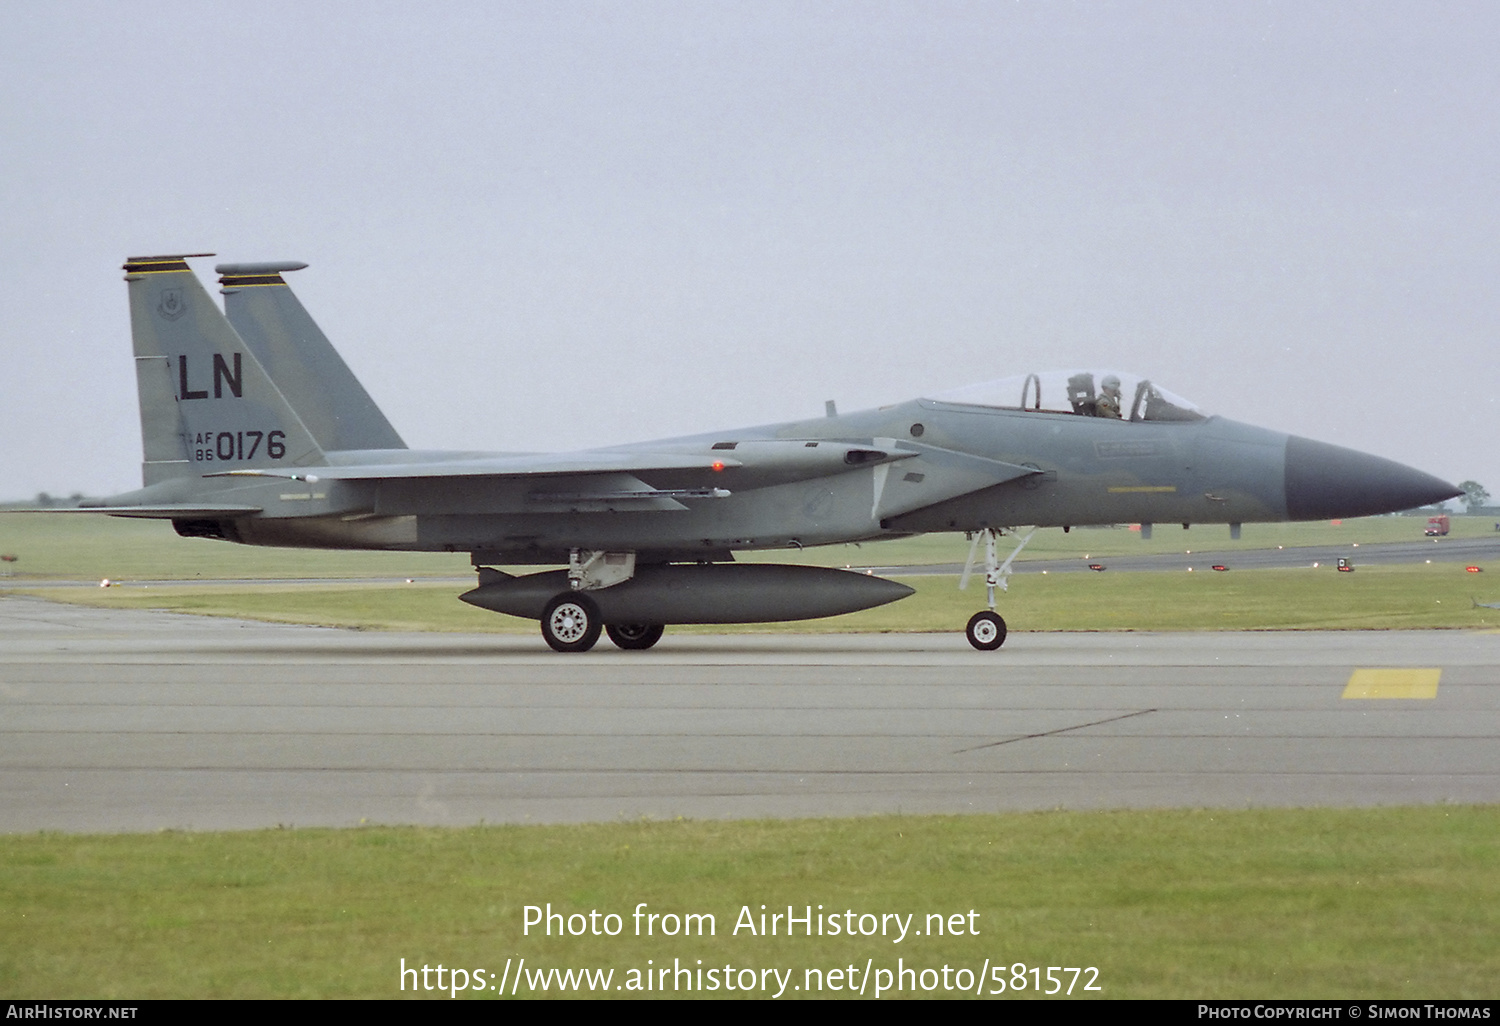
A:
(1081, 393)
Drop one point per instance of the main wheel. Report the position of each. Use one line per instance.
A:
(986, 630)
(634, 636)
(570, 623)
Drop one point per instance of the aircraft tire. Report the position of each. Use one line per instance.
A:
(570, 623)
(986, 630)
(634, 637)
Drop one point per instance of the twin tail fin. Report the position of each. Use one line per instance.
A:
(207, 404)
(296, 354)
(259, 389)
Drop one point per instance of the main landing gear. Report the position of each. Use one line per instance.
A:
(986, 629)
(570, 623)
(634, 637)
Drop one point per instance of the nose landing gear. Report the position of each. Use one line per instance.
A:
(986, 629)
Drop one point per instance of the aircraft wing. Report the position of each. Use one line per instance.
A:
(907, 476)
(522, 465)
(750, 463)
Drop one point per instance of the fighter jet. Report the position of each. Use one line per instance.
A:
(255, 431)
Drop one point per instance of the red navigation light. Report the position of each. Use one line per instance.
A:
(718, 465)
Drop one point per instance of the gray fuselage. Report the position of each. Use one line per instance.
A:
(933, 473)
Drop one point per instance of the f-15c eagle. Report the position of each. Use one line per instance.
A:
(255, 431)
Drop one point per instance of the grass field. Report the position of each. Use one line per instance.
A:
(65, 546)
(78, 546)
(1393, 903)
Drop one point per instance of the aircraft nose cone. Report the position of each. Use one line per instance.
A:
(1328, 481)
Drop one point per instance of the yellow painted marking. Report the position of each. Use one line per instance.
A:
(1393, 684)
(1144, 488)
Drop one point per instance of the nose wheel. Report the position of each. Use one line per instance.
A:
(986, 630)
(570, 623)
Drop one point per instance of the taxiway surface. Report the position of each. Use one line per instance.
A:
(126, 721)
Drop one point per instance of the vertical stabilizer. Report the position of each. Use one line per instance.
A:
(263, 310)
(207, 406)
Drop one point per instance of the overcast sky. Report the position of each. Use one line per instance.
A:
(558, 225)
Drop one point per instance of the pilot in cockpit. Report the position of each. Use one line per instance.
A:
(1108, 403)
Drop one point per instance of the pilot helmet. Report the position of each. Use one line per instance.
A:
(1111, 383)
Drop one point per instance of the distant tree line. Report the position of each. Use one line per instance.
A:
(1475, 496)
(48, 499)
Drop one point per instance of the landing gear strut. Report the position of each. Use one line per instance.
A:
(986, 629)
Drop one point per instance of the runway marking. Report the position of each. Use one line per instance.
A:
(1392, 684)
(1059, 730)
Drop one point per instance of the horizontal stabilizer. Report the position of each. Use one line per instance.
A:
(165, 511)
